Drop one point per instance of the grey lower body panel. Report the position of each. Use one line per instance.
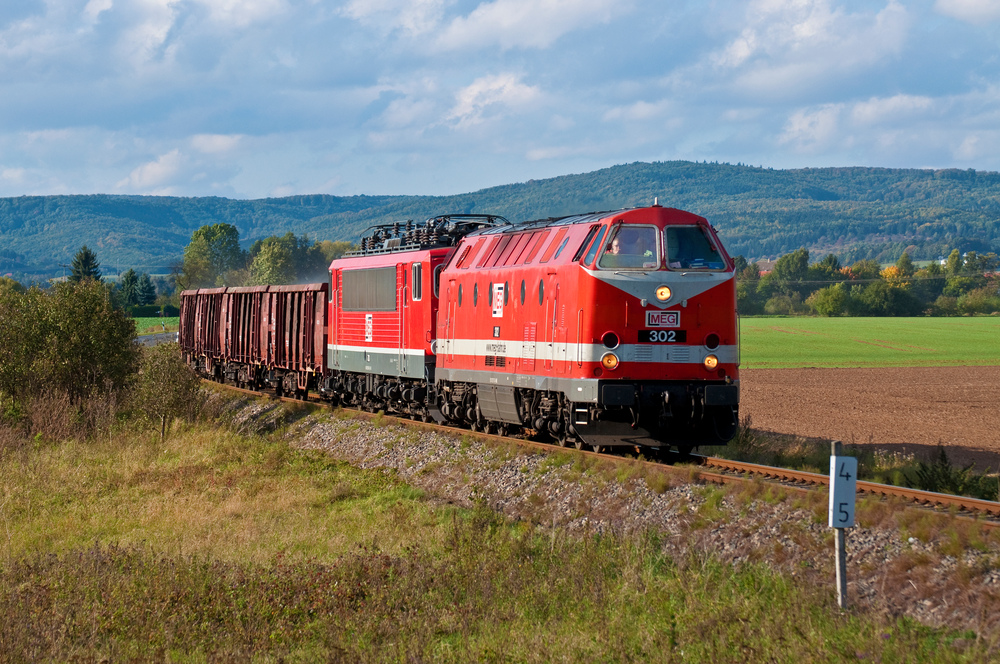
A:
(377, 361)
(576, 389)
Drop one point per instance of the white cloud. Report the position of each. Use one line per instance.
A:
(216, 143)
(416, 17)
(13, 175)
(972, 11)
(526, 23)
(790, 44)
(812, 130)
(490, 94)
(640, 110)
(151, 176)
(895, 109)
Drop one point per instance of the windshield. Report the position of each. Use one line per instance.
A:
(688, 248)
(632, 247)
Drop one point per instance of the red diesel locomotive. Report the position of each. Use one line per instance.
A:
(613, 328)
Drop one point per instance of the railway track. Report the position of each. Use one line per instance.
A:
(715, 470)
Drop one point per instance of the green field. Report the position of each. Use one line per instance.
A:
(784, 343)
(152, 325)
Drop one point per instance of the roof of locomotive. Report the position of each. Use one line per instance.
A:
(587, 218)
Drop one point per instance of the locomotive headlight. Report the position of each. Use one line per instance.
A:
(711, 361)
(663, 293)
(609, 361)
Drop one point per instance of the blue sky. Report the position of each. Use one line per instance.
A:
(258, 98)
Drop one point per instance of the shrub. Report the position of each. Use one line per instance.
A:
(979, 301)
(166, 387)
(830, 301)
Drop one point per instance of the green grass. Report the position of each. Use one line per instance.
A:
(783, 343)
(223, 547)
(154, 324)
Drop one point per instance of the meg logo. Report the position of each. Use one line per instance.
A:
(663, 319)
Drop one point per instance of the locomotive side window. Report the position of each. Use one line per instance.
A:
(552, 245)
(460, 295)
(523, 292)
(417, 282)
(594, 247)
(541, 292)
(689, 248)
(506, 293)
(437, 279)
(585, 244)
(372, 289)
(475, 295)
(562, 246)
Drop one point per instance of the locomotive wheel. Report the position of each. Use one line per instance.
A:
(599, 448)
(562, 439)
(578, 444)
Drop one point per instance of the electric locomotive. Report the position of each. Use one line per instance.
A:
(382, 313)
(604, 329)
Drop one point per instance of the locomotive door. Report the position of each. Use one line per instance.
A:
(551, 323)
(449, 323)
(401, 305)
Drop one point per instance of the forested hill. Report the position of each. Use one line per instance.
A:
(853, 212)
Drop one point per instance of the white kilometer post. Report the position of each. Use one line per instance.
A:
(843, 491)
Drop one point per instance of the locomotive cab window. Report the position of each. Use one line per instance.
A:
(631, 247)
(416, 282)
(691, 248)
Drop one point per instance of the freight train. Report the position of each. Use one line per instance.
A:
(603, 329)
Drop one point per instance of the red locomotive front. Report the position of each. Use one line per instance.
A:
(615, 328)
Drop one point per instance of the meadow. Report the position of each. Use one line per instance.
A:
(784, 343)
(219, 545)
(155, 324)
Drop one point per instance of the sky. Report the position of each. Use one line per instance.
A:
(268, 98)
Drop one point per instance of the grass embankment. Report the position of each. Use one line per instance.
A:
(784, 343)
(155, 324)
(217, 545)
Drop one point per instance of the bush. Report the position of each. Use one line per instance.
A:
(979, 301)
(169, 311)
(830, 301)
(166, 387)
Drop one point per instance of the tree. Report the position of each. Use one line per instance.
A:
(792, 267)
(332, 250)
(830, 301)
(166, 387)
(865, 270)
(89, 344)
(23, 336)
(146, 290)
(953, 266)
(213, 252)
(273, 264)
(883, 299)
(285, 260)
(128, 288)
(905, 265)
(85, 266)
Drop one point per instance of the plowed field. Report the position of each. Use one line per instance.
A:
(907, 409)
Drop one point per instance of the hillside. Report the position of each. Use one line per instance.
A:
(853, 212)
